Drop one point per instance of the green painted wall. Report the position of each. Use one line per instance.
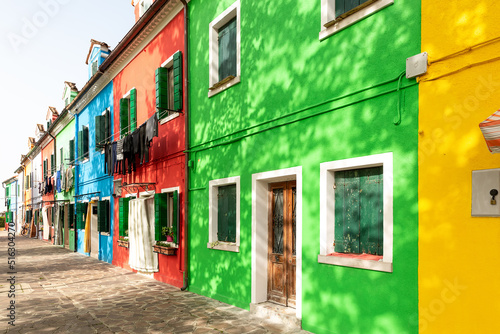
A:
(285, 69)
(62, 141)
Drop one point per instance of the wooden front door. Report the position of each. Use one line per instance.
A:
(281, 251)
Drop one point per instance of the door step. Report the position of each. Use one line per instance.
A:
(279, 314)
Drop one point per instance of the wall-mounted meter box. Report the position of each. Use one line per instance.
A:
(485, 190)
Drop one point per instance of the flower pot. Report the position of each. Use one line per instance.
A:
(170, 238)
(164, 250)
(122, 243)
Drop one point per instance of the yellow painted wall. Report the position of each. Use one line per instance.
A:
(459, 255)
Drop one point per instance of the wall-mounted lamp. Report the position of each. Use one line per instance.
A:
(493, 193)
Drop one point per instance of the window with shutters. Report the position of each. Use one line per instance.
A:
(83, 144)
(81, 213)
(224, 214)
(102, 129)
(52, 164)
(224, 50)
(72, 151)
(356, 212)
(103, 216)
(94, 68)
(45, 168)
(71, 216)
(339, 14)
(123, 204)
(168, 80)
(128, 113)
(167, 215)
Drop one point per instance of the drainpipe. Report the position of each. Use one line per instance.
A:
(186, 137)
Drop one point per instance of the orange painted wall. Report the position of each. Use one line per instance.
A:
(166, 166)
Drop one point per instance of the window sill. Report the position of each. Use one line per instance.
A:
(223, 85)
(106, 234)
(351, 17)
(224, 246)
(369, 262)
(169, 118)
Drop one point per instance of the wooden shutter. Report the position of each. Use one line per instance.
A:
(52, 164)
(72, 151)
(133, 110)
(85, 144)
(99, 132)
(175, 216)
(81, 211)
(359, 211)
(178, 80)
(226, 213)
(80, 146)
(124, 115)
(62, 156)
(161, 215)
(227, 50)
(45, 167)
(123, 210)
(71, 216)
(161, 81)
(107, 126)
(103, 216)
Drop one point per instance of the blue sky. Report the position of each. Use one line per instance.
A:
(44, 43)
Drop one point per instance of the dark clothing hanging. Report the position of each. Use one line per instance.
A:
(152, 127)
(128, 155)
(109, 158)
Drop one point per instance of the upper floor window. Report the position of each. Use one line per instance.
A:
(168, 79)
(83, 143)
(339, 14)
(128, 112)
(224, 46)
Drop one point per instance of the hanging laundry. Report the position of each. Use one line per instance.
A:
(141, 235)
(136, 137)
(63, 179)
(151, 132)
(69, 179)
(128, 155)
(144, 154)
(58, 181)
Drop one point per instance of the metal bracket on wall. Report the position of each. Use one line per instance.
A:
(133, 188)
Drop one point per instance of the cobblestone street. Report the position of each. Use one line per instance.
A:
(58, 291)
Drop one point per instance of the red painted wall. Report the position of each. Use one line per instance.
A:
(166, 166)
(47, 151)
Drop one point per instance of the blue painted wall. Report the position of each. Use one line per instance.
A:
(91, 174)
(96, 54)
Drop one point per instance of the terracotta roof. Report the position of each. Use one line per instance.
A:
(71, 85)
(92, 42)
(40, 128)
(52, 114)
(31, 141)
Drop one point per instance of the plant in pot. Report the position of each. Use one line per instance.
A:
(168, 232)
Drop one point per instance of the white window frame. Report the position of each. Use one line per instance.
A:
(170, 191)
(213, 187)
(327, 211)
(110, 215)
(127, 96)
(226, 16)
(328, 15)
(169, 63)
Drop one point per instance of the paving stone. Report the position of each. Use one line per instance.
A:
(60, 291)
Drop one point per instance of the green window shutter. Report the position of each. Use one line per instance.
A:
(85, 143)
(359, 211)
(133, 110)
(80, 146)
(72, 151)
(124, 107)
(80, 213)
(71, 216)
(107, 125)
(175, 216)
(123, 209)
(227, 50)
(178, 80)
(94, 67)
(52, 164)
(161, 215)
(99, 132)
(161, 80)
(226, 213)
(44, 168)
(103, 216)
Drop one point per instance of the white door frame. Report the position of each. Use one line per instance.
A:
(260, 207)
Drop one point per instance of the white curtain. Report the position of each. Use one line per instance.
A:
(141, 234)
(46, 226)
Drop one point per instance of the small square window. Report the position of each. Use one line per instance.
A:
(224, 214)
(356, 212)
(339, 14)
(224, 46)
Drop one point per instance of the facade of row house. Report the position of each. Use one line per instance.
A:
(458, 289)
(11, 191)
(303, 143)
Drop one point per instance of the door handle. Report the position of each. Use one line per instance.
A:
(276, 258)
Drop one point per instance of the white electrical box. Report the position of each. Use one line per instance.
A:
(485, 183)
(416, 65)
